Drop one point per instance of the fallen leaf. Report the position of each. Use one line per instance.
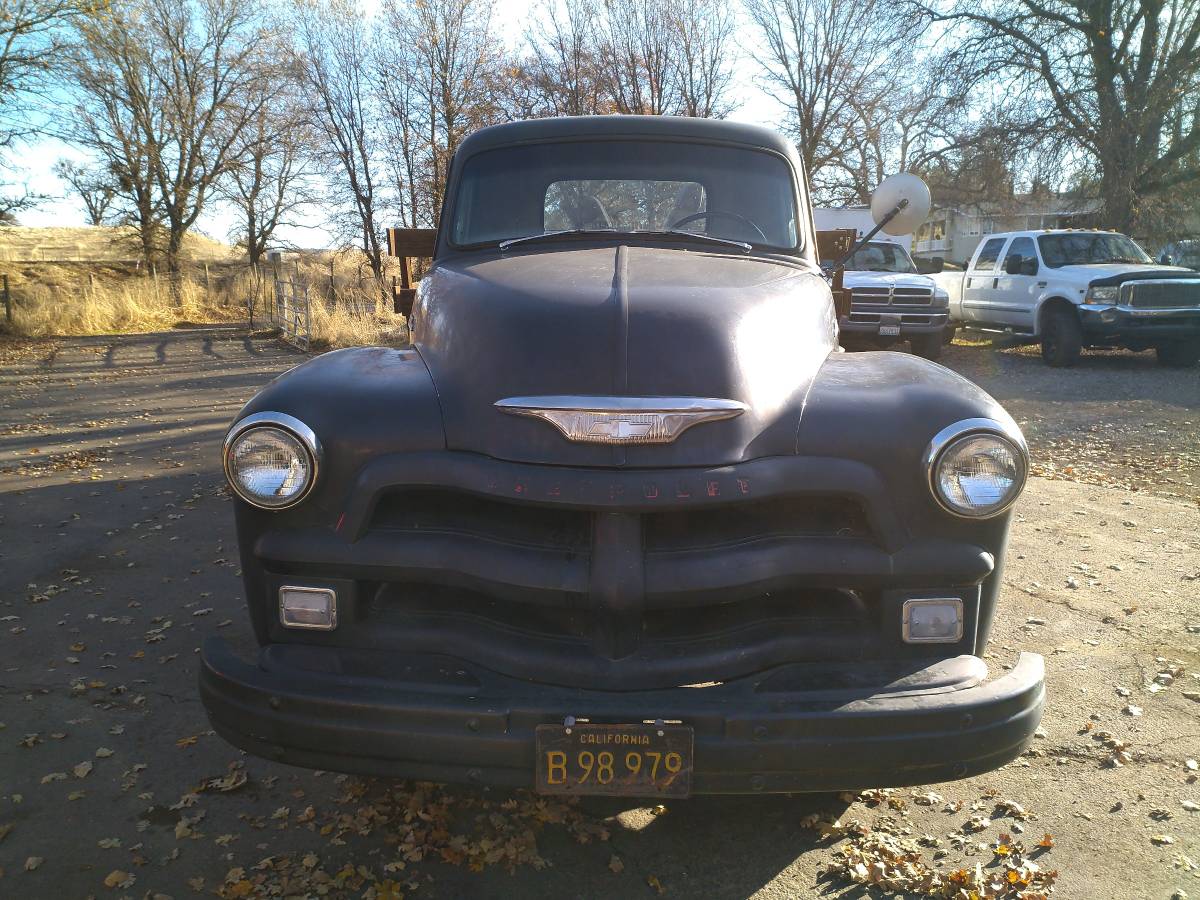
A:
(83, 769)
(653, 881)
(33, 862)
(117, 878)
(616, 866)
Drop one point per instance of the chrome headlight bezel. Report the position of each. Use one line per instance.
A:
(954, 435)
(291, 427)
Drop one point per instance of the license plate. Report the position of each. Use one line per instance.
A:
(622, 760)
(889, 330)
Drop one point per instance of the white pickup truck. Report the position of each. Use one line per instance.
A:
(1070, 289)
(891, 301)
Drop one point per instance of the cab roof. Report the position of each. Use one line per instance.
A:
(592, 127)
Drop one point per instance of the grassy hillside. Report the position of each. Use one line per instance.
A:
(96, 243)
(115, 296)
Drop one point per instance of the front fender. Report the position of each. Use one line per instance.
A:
(883, 409)
(361, 402)
(1053, 293)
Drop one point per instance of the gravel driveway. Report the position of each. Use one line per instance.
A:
(118, 557)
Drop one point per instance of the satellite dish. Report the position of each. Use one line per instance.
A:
(892, 191)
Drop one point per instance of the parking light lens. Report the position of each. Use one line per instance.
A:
(979, 475)
(303, 607)
(930, 621)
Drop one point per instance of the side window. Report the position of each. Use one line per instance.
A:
(989, 254)
(1022, 247)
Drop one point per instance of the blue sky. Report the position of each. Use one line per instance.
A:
(37, 159)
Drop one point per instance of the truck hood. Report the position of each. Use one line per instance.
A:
(853, 279)
(624, 321)
(1114, 273)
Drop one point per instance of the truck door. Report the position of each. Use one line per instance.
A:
(1015, 295)
(977, 282)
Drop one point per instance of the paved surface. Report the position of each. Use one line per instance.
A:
(1115, 418)
(118, 557)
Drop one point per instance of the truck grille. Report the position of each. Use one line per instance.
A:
(453, 513)
(1181, 293)
(900, 296)
(711, 643)
(622, 579)
(594, 585)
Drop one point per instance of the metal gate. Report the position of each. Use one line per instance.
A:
(291, 312)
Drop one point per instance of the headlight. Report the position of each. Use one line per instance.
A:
(1102, 295)
(271, 460)
(940, 297)
(977, 468)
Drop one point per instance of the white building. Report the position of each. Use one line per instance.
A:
(953, 233)
(858, 218)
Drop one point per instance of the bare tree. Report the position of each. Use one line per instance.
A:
(333, 50)
(1118, 79)
(170, 86)
(95, 188)
(563, 65)
(704, 32)
(268, 179)
(922, 122)
(31, 39)
(117, 121)
(638, 40)
(446, 48)
(828, 61)
(445, 73)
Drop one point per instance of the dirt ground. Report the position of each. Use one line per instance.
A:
(117, 557)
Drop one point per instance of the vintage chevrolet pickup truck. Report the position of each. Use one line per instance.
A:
(623, 518)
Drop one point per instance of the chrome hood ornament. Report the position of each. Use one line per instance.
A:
(622, 420)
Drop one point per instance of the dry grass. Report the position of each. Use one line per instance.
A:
(110, 296)
(351, 312)
(52, 300)
(355, 326)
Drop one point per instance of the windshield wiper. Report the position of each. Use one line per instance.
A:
(551, 235)
(609, 232)
(673, 232)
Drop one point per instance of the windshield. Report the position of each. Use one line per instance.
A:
(1089, 248)
(881, 256)
(626, 187)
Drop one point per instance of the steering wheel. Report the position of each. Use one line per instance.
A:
(721, 214)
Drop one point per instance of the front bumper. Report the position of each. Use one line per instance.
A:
(927, 320)
(1122, 324)
(802, 727)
